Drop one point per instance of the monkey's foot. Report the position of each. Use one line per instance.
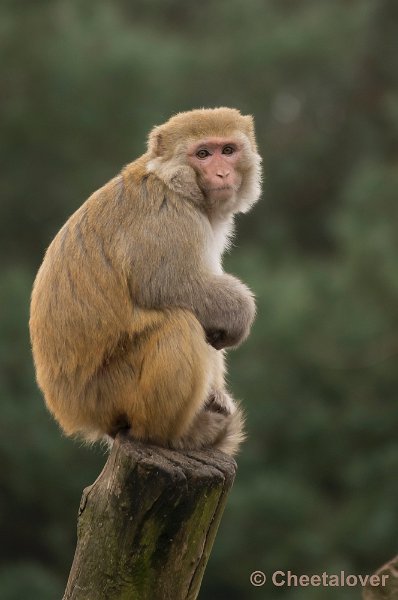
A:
(219, 401)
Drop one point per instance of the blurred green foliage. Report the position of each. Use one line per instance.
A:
(82, 83)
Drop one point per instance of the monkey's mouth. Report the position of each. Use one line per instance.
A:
(222, 188)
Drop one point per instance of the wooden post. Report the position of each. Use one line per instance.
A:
(147, 525)
(389, 589)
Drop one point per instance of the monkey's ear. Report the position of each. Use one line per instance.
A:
(156, 145)
(249, 122)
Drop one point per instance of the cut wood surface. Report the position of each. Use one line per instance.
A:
(147, 525)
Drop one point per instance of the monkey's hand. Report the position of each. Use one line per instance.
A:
(216, 338)
(228, 312)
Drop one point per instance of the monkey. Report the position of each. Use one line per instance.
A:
(131, 311)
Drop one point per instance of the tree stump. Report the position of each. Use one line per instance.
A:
(147, 525)
(390, 590)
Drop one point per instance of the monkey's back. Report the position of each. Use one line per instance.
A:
(85, 299)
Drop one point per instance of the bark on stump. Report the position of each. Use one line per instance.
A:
(147, 525)
(390, 590)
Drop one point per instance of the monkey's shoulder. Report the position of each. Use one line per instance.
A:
(147, 194)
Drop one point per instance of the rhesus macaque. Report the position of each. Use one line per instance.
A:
(131, 308)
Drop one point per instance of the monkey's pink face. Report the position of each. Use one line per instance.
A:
(216, 163)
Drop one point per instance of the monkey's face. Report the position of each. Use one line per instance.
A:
(209, 157)
(216, 162)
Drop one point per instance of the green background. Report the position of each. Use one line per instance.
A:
(82, 83)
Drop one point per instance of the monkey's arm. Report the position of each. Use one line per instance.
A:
(222, 304)
(171, 272)
(226, 310)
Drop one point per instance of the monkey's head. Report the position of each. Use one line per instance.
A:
(209, 156)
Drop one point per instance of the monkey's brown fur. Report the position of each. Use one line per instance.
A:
(128, 296)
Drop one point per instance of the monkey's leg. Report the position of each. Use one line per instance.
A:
(172, 383)
(221, 422)
(219, 400)
(168, 388)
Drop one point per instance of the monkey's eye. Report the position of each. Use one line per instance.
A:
(228, 150)
(203, 153)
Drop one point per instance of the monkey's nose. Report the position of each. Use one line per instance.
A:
(222, 174)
